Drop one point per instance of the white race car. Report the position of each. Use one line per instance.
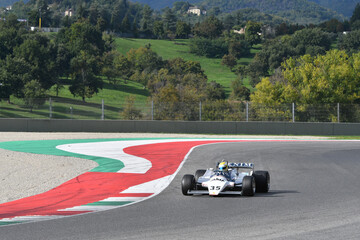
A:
(239, 178)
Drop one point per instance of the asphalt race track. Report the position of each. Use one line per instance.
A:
(314, 195)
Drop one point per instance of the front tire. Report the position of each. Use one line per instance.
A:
(187, 183)
(199, 173)
(248, 186)
(262, 179)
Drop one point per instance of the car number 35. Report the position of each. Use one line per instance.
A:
(214, 187)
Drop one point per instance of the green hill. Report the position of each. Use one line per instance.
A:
(344, 7)
(179, 48)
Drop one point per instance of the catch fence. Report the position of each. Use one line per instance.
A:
(221, 110)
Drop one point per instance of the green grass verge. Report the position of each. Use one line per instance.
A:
(66, 106)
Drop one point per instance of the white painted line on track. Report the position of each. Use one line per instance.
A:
(150, 187)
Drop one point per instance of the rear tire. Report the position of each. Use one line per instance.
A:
(262, 179)
(248, 186)
(187, 183)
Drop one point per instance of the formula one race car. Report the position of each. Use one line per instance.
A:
(227, 178)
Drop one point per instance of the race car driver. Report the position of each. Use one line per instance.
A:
(224, 170)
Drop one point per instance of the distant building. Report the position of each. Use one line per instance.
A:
(197, 11)
(241, 31)
(9, 8)
(69, 12)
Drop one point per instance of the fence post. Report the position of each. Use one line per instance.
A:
(71, 112)
(293, 112)
(247, 111)
(102, 110)
(200, 107)
(50, 108)
(152, 110)
(338, 112)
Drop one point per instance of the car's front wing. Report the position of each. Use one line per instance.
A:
(206, 192)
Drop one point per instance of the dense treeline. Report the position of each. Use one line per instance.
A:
(124, 16)
(299, 11)
(344, 7)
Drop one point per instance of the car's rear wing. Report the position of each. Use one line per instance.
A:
(241, 165)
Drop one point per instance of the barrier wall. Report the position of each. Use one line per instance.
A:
(275, 128)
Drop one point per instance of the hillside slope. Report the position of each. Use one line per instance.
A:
(299, 11)
(344, 7)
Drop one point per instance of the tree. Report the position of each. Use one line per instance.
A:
(229, 60)
(130, 111)
(310, 37)
(118, 14)
(94, 13)
(125, 24)
(253, 32)
(82, 11)
(239, 48)
(258, 68)
(158, 29)
(169, 19)
(146, 20)
(239, 91)
(83, 36)
(211, 28)
(215, 91)
(109, 70)
(182, 29)
(14, 73)
(144, 59)
(10, 37)
(123, 67)
(331, 78)
(333, 25)
(100, 24)
(40, 54)
(211, 48)
(84, 80)
(166, 103)
(350, 42)
(34, 94)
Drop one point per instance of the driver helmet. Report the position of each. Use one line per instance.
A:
(223, 167)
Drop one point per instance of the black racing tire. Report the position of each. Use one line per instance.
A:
(262, 179)
(248, 186)
(199, 173)
(187, 183)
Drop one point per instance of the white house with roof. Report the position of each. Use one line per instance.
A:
(196, 10)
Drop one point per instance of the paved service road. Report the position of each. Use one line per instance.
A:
(314, 195)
